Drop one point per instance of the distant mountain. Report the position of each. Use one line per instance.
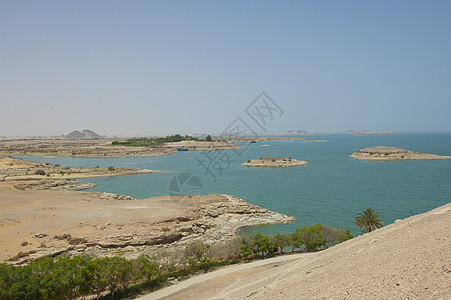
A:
(83, 135)
(362, 132)
(91, 134)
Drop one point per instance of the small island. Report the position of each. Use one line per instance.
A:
(393, 153)
(274, 162)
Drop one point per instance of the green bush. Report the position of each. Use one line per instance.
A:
(39, 172)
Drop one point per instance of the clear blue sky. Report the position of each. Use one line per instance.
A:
(157, 67)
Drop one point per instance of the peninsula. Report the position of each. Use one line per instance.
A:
(12, 168)
(37, 223)
(274, 162)
(393, 153)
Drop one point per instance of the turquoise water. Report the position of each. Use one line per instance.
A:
(331, 190)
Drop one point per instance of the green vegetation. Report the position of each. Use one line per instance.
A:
(153, 142)
(39, 172)
(79, 276)
(368, 220)
(310, 238)
(208, 138)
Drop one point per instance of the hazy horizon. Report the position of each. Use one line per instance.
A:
(215, 134)
(146, 68)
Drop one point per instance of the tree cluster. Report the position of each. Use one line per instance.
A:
(71, 278)
(151, 142)
(66, 277)
(310, 238)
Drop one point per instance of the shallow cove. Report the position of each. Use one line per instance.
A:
(331, 190)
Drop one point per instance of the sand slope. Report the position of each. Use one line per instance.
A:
(410, 259)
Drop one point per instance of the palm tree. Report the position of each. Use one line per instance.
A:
(368, 220)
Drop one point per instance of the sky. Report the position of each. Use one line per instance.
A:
(164, 67)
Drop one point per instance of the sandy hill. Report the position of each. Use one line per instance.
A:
(410, 259)
(85, 134)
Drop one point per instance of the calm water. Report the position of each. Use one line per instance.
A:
(331, 190)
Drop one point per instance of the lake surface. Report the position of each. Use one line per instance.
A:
(331, 190)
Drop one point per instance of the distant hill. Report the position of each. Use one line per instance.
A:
(83, 135)
(297, 132)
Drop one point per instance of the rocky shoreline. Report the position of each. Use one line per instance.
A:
(274, 162)
(213, 218)
(392, 153)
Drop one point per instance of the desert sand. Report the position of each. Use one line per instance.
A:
(410, 259)
(36, 223)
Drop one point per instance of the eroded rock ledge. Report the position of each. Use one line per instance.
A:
(393, 153)
(211, 218)
(274, 162)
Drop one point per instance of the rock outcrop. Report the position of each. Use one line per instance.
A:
(203, 219)
(393, 153)
(52, 184)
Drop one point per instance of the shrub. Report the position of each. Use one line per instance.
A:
(111, 168)
(196, 252)
(39, 172)
(144, 267)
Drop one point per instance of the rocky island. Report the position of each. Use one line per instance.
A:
(274, 162)
(393, 153)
